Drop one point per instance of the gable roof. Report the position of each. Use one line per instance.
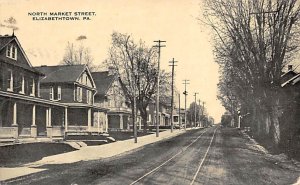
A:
(61, 73)
(103, 81)
(4, 41)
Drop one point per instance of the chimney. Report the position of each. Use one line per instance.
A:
(290, 67)
(111, 70)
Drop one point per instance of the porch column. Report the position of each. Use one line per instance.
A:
(15, 115)
(50, 121)
(89, 119)
(121, 121)
(14, 124)
(106, 122)
(98, 121)
(66, 119)
(49, 124)
(33, 126)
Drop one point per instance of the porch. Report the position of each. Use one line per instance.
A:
(85, 121)
(25, 119)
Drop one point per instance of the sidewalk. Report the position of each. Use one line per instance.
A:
(85, 154)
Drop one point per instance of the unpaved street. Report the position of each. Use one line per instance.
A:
(205, 156)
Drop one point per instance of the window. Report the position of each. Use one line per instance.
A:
(32, 87)
(79, 94)
(88, 96)
(55, 93)
(10, 80)
(59, 93)
(51, 93)
(175, 118)
(11, 51)
(149, 118)
(22, 91)
(39, 92)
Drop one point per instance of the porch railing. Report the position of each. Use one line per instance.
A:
(7, 132)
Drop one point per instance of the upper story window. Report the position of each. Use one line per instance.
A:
(79, 94)
(59, 93)
(51, 93)
(22, 84)
(10, 80)
(11, 51)
(89, 97)
(55, 93)
(32, 87)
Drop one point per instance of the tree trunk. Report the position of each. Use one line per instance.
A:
(275, 125)
(144, 116)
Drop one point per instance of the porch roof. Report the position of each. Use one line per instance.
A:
(31, 99)
(82, 105)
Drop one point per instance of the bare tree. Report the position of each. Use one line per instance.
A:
(75, 55)
(254, 39)
(135, 64)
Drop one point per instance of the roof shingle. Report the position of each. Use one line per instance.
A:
(61, 73)
(103, 81)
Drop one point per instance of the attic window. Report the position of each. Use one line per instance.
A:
(11, 51)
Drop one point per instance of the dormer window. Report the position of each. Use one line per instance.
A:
(11, 52)
(51, 93)
(55, 93)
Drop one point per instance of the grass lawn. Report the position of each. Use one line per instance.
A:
(15, 155)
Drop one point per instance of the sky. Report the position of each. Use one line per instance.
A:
(175, 21)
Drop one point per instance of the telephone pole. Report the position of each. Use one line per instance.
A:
(195, 106)
(172, 98)
(179, 111)
(157, 92)
(185, 82)
(203, 108)
(199, 113)
(134, 119)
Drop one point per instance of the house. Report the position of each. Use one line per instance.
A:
(23, 113)
(290, 109)
(74, 87)
(285, 77)
(164, 112)
(111, 96)
(177, 115)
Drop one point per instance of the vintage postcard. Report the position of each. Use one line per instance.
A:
(149, 92)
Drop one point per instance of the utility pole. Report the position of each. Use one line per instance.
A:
(134, 106)
(186, 82)
(157, 92)
(203, 108)
(199, 113)
(195, 106)
(172, 98)
(179, 112)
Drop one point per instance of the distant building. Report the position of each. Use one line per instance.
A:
(110, 95)
(177, 117)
